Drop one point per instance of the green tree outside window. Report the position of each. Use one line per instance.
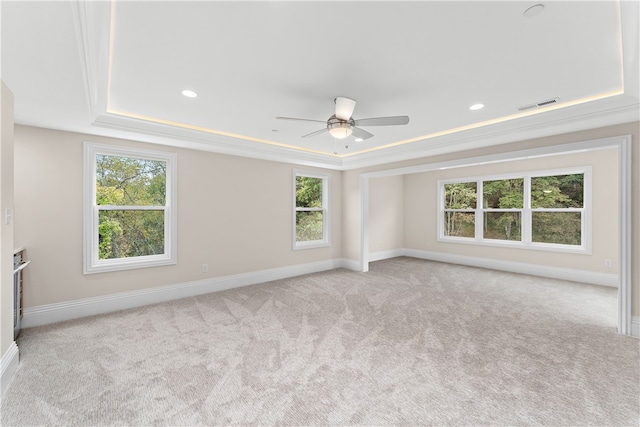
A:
(128, 183)
(309, 209)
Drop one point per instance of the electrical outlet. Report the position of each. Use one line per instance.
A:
(205, 268)
(607, 263)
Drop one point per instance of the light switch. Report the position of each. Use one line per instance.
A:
(7, 216)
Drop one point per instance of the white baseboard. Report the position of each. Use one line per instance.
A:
(379, 256)
(635, 326)
(58, 312)
(8, 365)
(351, 264)
(603, 279)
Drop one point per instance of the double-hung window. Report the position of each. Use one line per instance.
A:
(546, 210)
(311, 210)
(129, 208)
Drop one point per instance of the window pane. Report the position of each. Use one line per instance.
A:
(460, 195)
(502, 225)
(130, 233)
(561, 191)
(308, 192)
(503, 194)
(309, 226)
(459, 224)
(557, 227)
(128, 181)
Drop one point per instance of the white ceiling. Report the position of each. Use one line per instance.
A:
(118, 69)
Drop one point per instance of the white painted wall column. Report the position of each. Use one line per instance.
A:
(8, 348)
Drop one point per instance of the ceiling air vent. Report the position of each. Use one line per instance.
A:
(539, 104)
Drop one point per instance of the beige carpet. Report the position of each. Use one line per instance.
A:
(411, 342)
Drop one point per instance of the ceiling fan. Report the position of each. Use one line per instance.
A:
(342, 124)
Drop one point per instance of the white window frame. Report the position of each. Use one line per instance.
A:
(326, 232)
(526, 212)
(91, 263)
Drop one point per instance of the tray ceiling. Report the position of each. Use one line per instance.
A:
(118, 69)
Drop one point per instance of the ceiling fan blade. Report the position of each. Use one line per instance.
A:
(383, 121)
(361, 133)
(303, 120)
(318, 132)
(344, 107)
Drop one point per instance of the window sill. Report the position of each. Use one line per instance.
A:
(581, 250)
(107, 266)
(310, 245)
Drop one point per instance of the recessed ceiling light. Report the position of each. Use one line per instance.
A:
(189, 93)
(476, 107)
(533, 10)
(359, 139)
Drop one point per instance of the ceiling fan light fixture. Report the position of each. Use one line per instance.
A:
(341, 131)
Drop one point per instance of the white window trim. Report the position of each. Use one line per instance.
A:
(526, 242)
(91, 263)
(326, 221)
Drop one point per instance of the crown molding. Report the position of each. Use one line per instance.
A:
(576, 118)
(197, 140)
(92, 22)
(553, 123)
